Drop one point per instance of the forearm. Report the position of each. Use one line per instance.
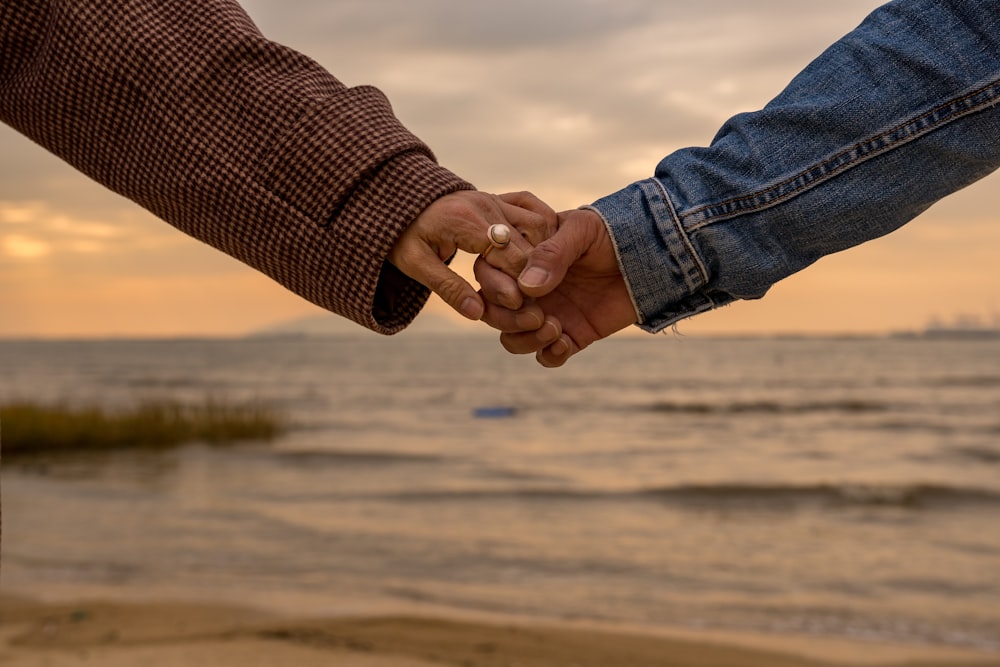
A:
(898, 114)
(183, 107)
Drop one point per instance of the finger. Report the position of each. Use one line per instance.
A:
(558, 353)
(506, 321)
(510, 259)
(550, 260)
(529, 215)
(451, 287)
(532, 227)
(547, 264)
(496, 286)
(468, 219)
(530, 202)
(532, 341)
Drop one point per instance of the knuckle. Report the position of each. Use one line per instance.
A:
(451, 290)
(512, 261)
(546, 253)
(461, 203)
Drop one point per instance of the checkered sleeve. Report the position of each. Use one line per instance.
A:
(185, 108)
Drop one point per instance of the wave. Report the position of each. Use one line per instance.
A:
(915, 496)
(748, 496)
(850, 406)
(966, 381)
(348, 456)
(980, 454)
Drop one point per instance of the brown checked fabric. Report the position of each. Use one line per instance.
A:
(185, 108)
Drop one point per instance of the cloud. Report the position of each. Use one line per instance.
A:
(19, 246)
(382, 27)
(31, 177)
(130, 242)
(465, 25)
(20, 213)
(570, 98)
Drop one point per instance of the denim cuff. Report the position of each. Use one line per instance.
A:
(664, 274)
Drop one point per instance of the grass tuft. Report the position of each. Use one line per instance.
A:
(29, 428)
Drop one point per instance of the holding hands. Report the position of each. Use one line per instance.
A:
(552, 289)
(574, 277)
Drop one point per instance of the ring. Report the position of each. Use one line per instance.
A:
(498, 236)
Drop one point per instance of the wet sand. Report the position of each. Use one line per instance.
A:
(168, 634)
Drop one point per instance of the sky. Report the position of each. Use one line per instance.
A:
(570, 99)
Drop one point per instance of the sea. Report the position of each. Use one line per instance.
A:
(838, 487)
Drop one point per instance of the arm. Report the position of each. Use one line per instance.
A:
(893, 117)
(896, 115)
(185, 108)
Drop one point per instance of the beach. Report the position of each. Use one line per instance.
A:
(702, 502)
(120, 634)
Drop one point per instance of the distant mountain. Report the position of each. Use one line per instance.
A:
(324, 325)
(963, 326)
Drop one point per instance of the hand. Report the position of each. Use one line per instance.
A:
(459, 221)
(575, 278)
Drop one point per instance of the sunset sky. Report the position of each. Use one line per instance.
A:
(571, 99)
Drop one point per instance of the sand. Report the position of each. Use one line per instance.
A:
(166, 634)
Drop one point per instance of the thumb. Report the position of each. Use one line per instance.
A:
(417, 259)
(549, 261)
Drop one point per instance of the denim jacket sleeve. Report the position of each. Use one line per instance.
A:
(901, 112)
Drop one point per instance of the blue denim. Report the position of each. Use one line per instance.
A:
(901, 112)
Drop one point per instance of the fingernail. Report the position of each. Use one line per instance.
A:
(528, 321)
(472, 308)
(548, 333)
(560, 347)
(534, 277)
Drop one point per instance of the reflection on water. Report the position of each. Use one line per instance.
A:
(847, 487)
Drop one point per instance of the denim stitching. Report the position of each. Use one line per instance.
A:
(903, 133)
(618, 258)
(682, 233)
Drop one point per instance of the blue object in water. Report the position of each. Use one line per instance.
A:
(494, 411)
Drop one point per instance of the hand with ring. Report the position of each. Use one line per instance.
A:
(463, 221)
(574, 277)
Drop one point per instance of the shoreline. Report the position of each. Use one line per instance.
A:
(172, 633)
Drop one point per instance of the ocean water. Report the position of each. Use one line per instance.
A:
(839, 487)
